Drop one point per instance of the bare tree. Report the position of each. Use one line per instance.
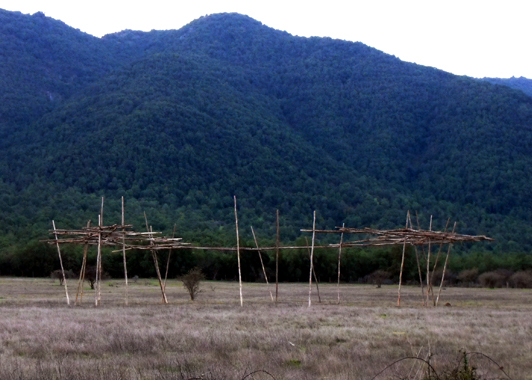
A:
(58, 274)
(379, 276)
(191, 282)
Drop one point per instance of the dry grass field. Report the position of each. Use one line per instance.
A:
(214, 338)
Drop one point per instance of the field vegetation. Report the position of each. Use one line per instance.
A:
(214, 338)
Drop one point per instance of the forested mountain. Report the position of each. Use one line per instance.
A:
(179, 121)
(520, 83)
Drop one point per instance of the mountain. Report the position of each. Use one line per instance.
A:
(43, 61)
(520, 83)
(179, 121)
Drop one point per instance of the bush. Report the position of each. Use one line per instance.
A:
(378, 277)
(521, 279)
(506, 274)
(491, 280)
(191, 282)
(436, 276)
(58, 274)
(468, 277)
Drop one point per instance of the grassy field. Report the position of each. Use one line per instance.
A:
(214, 338)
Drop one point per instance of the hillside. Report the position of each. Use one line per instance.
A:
(180, 121)
(520, 83)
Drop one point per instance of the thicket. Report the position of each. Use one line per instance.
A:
(368, 265)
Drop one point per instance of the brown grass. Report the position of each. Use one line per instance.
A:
(214, 338)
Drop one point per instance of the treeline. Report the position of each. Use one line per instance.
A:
(178, 122)
(378, 265)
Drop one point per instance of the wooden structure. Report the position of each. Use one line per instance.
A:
(122, 235)
(116, 235)
(404, 236)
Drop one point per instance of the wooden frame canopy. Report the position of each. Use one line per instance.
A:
(122, 235)
(400, 236)
(113, 235)
(117, 235)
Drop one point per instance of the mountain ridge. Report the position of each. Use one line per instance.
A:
(180, 121)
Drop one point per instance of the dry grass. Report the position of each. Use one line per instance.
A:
(214, 338)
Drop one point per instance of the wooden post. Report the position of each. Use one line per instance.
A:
(158, 271)
(277, 261)
(314, 273)
(262, 263)
(238, 255)
(124, 252)
(402, 265)
(444, 268)
(61, 263)
(168, 260)
(417, 260)
(436, 264)
(429, 285)
(311, 260)
(419, 272)
(98, 264)
(156, 261)
(339, 261)
(79, 292)
(99, 269)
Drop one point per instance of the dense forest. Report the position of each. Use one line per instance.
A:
(179, 121)
(520, 83)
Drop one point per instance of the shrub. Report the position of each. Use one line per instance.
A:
(378, 277)
(506, 274)
(58, 274)
(491, 280)
(436, 276)
(468, 277)
(191, 282)
(521, 279)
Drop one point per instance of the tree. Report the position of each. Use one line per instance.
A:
(191, 282)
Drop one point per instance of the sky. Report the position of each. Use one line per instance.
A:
(468, 37)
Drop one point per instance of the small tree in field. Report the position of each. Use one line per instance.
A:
(191, 281)
(379, 276)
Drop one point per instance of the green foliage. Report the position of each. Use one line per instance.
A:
(179, 121)
(521, 83)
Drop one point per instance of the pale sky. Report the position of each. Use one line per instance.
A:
(466, 37)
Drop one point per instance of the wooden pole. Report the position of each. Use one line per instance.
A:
(429, 285)
(277, 261)
(402, 265)
(439, 250)
(314, 274)
(238, 255)
(156, 262)
(339, 262)
(444, 269)
(168, 260)
(409, 220)
(158, 271)
(98, 279)
(311, 259)
(417, 255)
(61, 263)
(262, 263)
(419, 264)
(419, 272)
(100, 271)
(79, 292)
(436, 264)
(98, 264)
(124, 253)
